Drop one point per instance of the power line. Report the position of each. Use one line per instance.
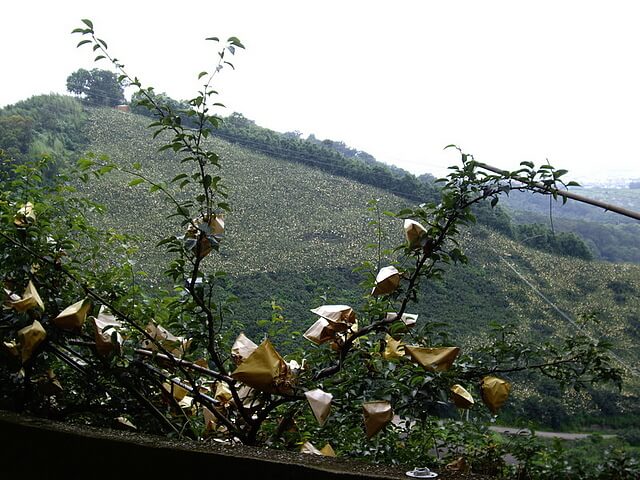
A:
(564, 315)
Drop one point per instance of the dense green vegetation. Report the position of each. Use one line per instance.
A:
(613, 242)
(45, 124)
(609, 236)
(543, 238)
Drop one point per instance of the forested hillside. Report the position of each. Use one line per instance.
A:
(311, 230)
(308, 219)
(609, 236)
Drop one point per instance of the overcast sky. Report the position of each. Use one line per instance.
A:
(505, 80)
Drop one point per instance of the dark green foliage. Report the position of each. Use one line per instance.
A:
(15, 134)
(96, 87)
(330, 156)
(543, 238)
(52, 125)
(174, 106)
(607, 241)
(494, 217)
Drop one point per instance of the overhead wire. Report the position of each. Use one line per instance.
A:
(565, 316)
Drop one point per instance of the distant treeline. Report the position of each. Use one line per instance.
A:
(606, 241)
(327, 155)
(609, 236)
(623, 197)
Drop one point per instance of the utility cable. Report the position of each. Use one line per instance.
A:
(564, 315)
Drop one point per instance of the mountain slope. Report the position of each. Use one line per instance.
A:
(296, 233)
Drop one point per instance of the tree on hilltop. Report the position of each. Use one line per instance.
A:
(96, 87)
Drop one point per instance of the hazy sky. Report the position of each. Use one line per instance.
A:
(505, 80)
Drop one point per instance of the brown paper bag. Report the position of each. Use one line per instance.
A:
(223, 393)
(495, 392)
(73, 316)
(25, 216)
(263, 369)
(433, 359)
(414, 232)
(177, 346)
(328, 451)
(242, 348)
(320, 403)
(387, 281)
(210, 420)
(393, 348)
(29, 338)
(30, 299)
(308, 447)
(216, 227)
(376, 416)
(176, 391)
(409, 320)
(461, 398)
(320, 332)
(336, 314)
(105, 326)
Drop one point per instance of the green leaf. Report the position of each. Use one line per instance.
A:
(137, 166)
(82, 42)
(78, 30)
(202, 74)
(235, 42)
(104, 44)
(215, 39)
(99, 57)
(105, 169)
(88, 23)
(85, 164)
(560, 172)
(136, 181)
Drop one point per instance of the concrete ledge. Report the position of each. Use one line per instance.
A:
(36, 448)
